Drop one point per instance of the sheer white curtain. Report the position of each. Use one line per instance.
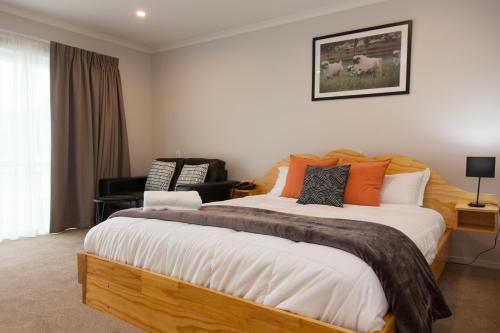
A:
(24, 137)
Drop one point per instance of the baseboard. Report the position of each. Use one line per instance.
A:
(479, 262)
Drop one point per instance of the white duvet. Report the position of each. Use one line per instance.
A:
(313, 280)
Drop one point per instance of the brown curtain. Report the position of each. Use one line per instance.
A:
(89, 134)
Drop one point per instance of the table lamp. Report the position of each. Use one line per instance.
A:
(480, 167)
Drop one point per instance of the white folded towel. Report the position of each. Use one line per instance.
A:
(161, 200)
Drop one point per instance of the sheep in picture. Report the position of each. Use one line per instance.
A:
(396, 57)
(331, 70)
(366, 65)
(352, 71)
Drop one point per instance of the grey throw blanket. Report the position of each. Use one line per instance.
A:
(406, 278)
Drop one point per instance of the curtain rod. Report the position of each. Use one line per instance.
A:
(23, 35)
(48, 41)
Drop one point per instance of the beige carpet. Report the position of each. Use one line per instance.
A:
(39, 292)
(473, 293)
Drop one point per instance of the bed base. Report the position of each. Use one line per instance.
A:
(158, 303)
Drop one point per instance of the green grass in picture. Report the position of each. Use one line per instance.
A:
(346, 82)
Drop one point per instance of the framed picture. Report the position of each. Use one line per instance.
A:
(362, 63)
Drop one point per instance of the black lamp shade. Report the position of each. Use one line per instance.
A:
(480, 167)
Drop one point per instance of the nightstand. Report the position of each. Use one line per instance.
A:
(482, 219)
(243, 193)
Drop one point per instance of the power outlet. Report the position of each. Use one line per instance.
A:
(178, 153)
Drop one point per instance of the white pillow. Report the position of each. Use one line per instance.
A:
(425, 179)
(280, 182)
(405, 188)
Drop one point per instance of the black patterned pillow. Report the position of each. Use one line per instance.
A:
(324, 185)
(160, 175)
(192, 174)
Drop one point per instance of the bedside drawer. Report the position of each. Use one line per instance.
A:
(483, 219)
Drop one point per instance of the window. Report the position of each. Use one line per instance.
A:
(24, 137)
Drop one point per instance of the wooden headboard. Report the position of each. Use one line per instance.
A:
(439, 194)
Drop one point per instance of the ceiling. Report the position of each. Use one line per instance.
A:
(171, 23)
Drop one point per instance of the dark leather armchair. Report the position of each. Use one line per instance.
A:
(215, 188)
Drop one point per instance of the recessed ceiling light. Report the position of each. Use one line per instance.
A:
(140, 13)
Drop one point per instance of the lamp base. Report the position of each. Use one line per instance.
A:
(477, 204)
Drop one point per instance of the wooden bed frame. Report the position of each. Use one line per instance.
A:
(158, 303)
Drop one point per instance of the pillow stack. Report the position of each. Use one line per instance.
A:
(160, 175)
(357, 183)
(405, 188)
(365, 182)
(324, 186)
(192, 174)
(297, 172)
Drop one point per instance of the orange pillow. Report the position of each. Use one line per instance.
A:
(364, 182)
(297, 172)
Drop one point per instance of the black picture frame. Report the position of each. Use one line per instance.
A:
(384, 36)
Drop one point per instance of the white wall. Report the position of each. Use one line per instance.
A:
(135, 69)
(246, 99)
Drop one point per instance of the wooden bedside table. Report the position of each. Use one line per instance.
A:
(482, 219)
(242, 193)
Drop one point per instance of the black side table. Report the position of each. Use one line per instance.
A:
(101, 202)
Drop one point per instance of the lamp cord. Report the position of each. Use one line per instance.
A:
(479, 254)
(478, 188)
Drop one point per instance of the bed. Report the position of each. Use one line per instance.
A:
(173, 277)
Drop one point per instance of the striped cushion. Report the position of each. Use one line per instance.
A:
(160, 176)
(324, 186)
(192, 174)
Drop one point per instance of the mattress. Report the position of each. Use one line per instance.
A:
(312, 280)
